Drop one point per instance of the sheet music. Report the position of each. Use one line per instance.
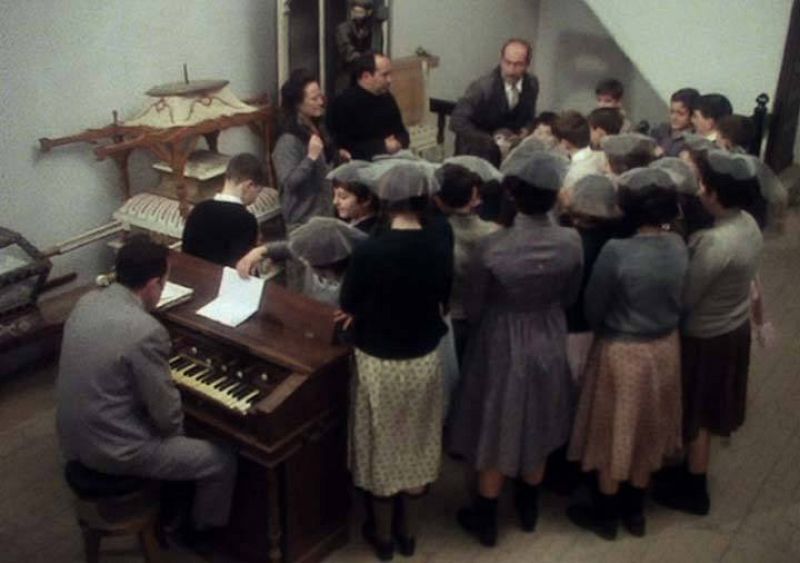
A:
(174, 294)
(236, 301)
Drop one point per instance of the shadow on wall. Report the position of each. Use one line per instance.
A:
(583, 60)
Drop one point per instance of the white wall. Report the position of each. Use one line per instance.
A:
(465, 34)
(64, 66)
(575, 51)
(729, 46)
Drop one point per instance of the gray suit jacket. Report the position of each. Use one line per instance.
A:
(116, 397)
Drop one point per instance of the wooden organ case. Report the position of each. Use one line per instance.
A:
(276, 388)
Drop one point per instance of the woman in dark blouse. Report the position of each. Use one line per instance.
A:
(394, 292)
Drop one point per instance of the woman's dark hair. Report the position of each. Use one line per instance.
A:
(294, 89)
(362, 193)
(648, 206)
(418, 205)
(687, 96)
(140, 260)
(457, 184)
(693, 216)
(733, 193)
(528, 198)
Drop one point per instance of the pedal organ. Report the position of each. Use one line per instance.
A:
(276, 388)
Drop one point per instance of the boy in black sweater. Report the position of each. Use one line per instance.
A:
(221, 230)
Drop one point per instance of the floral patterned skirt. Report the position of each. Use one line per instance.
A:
(395, 423)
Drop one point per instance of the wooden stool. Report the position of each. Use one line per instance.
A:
(110, 505)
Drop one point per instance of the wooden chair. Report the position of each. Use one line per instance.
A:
(110, 505)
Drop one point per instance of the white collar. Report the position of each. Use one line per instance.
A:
(582, 154)
(229, 198)
(513, 86)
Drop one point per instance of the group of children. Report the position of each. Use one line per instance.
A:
(587, 303)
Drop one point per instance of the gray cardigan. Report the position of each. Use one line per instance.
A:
(634, 291)
(723, 262)
(304, 191)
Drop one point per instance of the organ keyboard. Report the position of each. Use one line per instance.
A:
(276, 388)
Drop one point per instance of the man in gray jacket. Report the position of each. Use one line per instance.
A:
(498, 108)
(119, 411)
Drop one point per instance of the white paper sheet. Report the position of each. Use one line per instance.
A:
(174, 294)
(236, 301)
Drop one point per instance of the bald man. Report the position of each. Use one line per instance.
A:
(498, 107)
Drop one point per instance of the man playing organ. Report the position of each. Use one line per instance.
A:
(118, 409)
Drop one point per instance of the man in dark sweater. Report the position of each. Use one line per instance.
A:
(498, 108)
(364, 119)
(222, 230)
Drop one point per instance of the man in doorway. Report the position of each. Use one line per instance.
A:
(359, 35)
(499, 108)
(365, 120)
(118, 409)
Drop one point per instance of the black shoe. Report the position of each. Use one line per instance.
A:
(384, 550)
(480, 520)
(631, 510)
(526, 501)
(406, 544)
(201, 542)
(600, 517)
(690, 497)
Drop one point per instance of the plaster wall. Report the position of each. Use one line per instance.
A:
(730, 46)
(64, 66)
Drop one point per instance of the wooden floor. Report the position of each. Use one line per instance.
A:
(755, 476)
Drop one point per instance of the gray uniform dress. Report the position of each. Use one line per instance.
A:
(119, 411)
(516, 401)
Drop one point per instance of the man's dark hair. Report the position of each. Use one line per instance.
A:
(648, 206)
(530, 199)
(140, 260)
(738, 129)
(518, 41)
(572, 127)
(714, 106)
(608, 119)
(245, 166)
(687, 96)
(457, 184)
(294, 90)
(364, 63)
(610, 87)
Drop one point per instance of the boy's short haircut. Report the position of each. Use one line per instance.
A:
(457, 184)
(572, 127)
(609, 120)
(687, 96)
(738, 129)
(714, 106)
(545, 118)
(245, 166)
(610, 87)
